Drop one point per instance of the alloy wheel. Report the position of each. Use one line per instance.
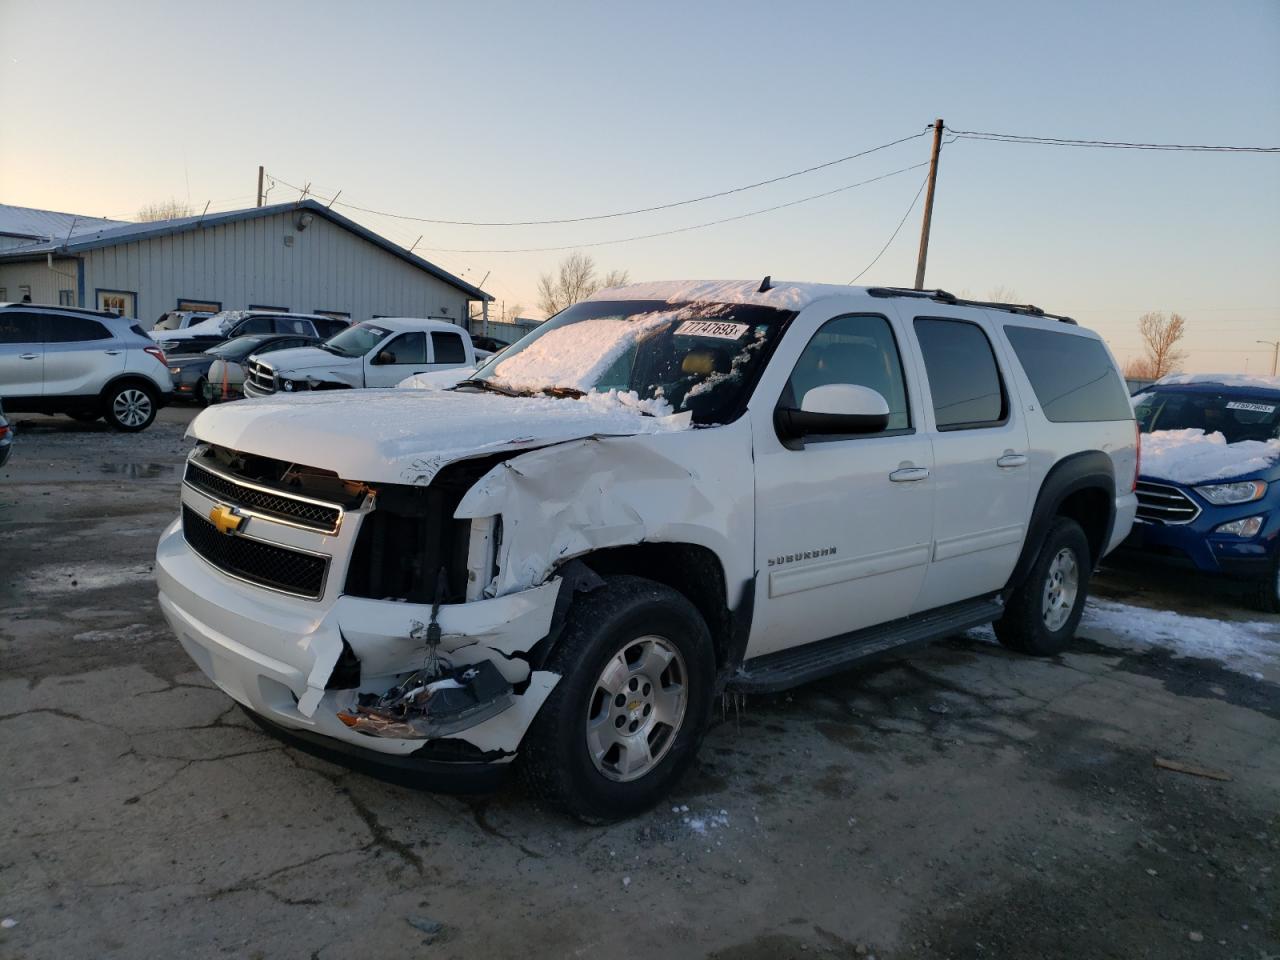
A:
(636, 708)
(131, 407)
(1061, 586)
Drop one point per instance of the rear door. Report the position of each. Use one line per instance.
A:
(843, 524)
(80, 355)
(980, 454)
(21, 356)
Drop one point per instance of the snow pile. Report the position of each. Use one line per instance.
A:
(576, 355)
(700, 825)
(1226, 379)
(1250, 644)
(783, 295)
(1192, 456)
(630, 400)
(436, 379)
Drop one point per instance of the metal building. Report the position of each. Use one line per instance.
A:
(300, 257)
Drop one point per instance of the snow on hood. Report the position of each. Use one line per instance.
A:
(436, 379)
(407, 436)
(303, 358)
(1191, 456)
(213, 326)
(782, 295)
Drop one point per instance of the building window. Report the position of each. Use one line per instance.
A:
(200, 306)
(119, 302)
(24, 293)
(4, 294)
(265, 309)
(66, 298)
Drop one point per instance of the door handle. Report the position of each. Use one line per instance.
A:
(1012, 460)
(909, 474)
(28, 356)
(112, 353)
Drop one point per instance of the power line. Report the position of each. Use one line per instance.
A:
(893, 236)
(622, 213)
(696, 226)
(1107, 144)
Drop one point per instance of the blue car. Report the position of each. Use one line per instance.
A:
(1203, 503)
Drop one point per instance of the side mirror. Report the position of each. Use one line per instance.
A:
(833, 409)
(385, 357)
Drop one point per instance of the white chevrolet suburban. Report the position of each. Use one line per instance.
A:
(666, 492)
(376, 353)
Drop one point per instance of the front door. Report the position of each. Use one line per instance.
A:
(21, 355)
(843, 524)
(980, 460)
(401, 356)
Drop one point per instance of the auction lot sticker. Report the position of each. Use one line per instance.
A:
(712, 328)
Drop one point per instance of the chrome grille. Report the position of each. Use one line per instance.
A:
(265, 564)
(261, 501)
(1161, 503)
(261, 378)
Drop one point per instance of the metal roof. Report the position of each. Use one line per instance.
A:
(113, 233)
(44, 225)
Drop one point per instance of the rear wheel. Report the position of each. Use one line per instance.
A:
(632, 704)
(200, 392)
(1042, 615)
(130, 407)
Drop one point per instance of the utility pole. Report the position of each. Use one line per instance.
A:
(928, 204)
(1275, 352)
(259, 185)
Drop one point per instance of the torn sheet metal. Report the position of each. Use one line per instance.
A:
(380, 633)
(568, 500)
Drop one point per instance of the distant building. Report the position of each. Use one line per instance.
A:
(301, 257)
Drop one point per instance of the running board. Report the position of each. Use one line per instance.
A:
(790, 668)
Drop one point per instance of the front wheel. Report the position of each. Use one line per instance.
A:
(632, 704)
(131, 408)
(1042, 615)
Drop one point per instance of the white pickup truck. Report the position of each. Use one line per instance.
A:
(376, 353)
(665, 492)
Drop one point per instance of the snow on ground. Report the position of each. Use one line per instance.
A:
(1244, 647)
(1192, 456)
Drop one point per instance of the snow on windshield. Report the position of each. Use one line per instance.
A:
(574, 356)
(1192, 456)
(1226, 379)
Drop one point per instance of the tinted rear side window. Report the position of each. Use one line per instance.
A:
(74, 330)
(963, 377)
(1073, 377)
(448, 348)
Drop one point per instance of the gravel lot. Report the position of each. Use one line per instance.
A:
(963, 802)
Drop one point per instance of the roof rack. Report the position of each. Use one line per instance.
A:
(941, 296)
(64, 308)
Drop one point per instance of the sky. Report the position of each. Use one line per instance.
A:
(521, 111)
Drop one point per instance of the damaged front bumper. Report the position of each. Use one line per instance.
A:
(310, 667)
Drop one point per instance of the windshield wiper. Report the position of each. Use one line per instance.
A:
(486, 385)
(560, 392)
(334, 350)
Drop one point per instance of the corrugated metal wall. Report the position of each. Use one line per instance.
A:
(248, 263)
(45, 284)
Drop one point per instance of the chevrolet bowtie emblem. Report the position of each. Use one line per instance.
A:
(225, 519)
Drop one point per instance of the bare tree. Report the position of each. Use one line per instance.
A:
(164, 210)
(1160, 336)
(574, 280)
(1138, 368)
(1003, 294)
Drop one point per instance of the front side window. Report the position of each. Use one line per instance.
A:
(406, 348)
(448, 348)
(860, 350)
(704, 358)
(964, 379)
(16, 327)
(1236, 415)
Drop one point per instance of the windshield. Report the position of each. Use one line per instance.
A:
(356, 341)
(1236, 416)
(237, 346)
(699, 357)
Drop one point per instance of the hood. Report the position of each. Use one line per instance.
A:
(407, 436)
(303, 358)
(1192, 456)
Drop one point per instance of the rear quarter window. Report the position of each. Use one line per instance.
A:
(1073, 376)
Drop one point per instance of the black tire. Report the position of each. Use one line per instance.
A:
(85, 416)
(1266, 592)
(199, 393)
(1023, 626)
(555, 762)
(130, 406)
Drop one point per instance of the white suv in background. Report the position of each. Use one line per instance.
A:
(664, 493)
(375, 353)
(84, 363)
